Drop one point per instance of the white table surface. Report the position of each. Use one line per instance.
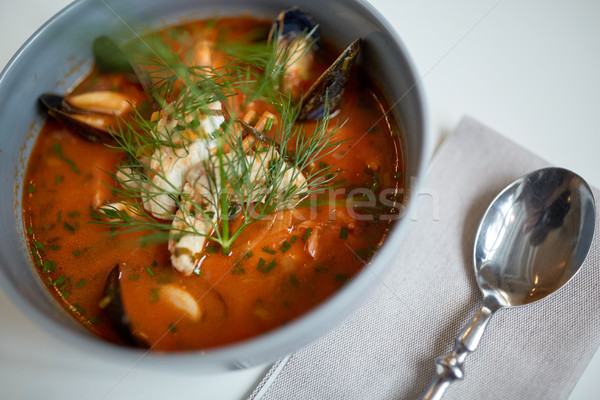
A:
(529, 69)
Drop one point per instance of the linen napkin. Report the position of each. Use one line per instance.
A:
(386, 349)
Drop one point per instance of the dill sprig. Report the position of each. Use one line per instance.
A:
(273, 177)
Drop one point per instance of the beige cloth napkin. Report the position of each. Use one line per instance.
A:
(385, 350)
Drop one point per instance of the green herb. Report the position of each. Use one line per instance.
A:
(172, 328)
(31, 188)
(69, 227)
(72, 214)
(341, 278)
(269, 124)
(248, 255)
(49, 266)
(95, 319)
(154, 263)
(59, 152)
(76, 252)
(59, 216)
(211, 249)
(320, 268)
(294, 280)
(79, 309)
(30, 230)
(372, 129)
(59, 280)
(255, 71)
(268, 250)
(133, 277)
(81, 282)
(149, 271)
(54, 247)
(264, 267)
(285, 246)
(293, 239)
(306, 234)
(39, 246)
(58, 179)
(344, 233)
(154, 295)
(398, 175)
(238, 270)
(38, 260)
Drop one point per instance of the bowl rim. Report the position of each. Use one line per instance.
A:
(225, 357)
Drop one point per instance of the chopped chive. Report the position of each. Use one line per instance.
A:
(238, 270)
(293, 239)
(398, 175)
(38, 245)
(211, 23)
(59, 280)
(154, 263)
(133, 277)
(172, 328)
(30, 230)
(79, 309)
(49, 266)
(65, 294)
(269, 124)
(154, 295)
(294, 280)
(306, 234)
(211, 249)
(344, 233)
(95, 319)
(69, 227)
(149, 271)
(266, 268)
(76, 252)
(59, 216)
(321, 268)
(31, 188)
(285, 246)
(268, 250)
(80, 283)
(54, 247)
(248, 255)
(72, 214)
(38, 260)
(61, 155)
(58, 179)
(341, 278)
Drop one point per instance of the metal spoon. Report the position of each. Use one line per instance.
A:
(531, 241)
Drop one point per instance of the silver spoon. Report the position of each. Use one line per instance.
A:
(531, 241)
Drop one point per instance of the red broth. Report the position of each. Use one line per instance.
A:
(278, 268)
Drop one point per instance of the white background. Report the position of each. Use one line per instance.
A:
(528, 69)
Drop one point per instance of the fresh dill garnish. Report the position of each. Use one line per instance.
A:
(274, 176)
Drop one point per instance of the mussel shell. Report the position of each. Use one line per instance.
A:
(58, 108)
(293, 22)
(326, 92)
(115, 310)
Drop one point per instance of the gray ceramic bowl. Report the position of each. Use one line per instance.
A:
(46, 63)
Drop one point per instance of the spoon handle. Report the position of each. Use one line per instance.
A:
(449, 367)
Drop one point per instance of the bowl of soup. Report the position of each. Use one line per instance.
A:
(201, 183)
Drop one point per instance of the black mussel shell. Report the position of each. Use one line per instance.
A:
(115, 310)
(58, 108)
(293, 22)
(326, 92)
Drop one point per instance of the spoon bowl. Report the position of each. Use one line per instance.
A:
(534, 236)
(531, 241)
